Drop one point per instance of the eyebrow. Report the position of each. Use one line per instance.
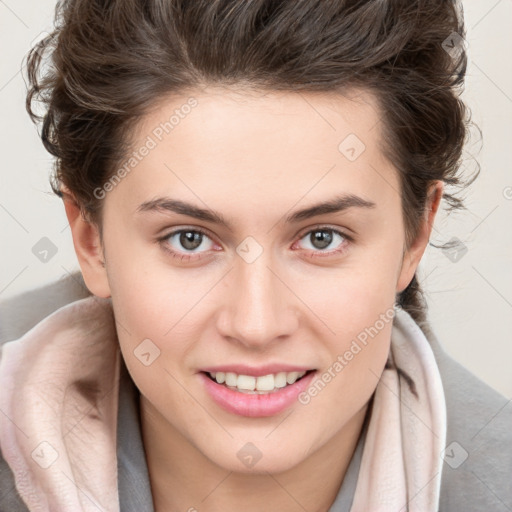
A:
(339, 203)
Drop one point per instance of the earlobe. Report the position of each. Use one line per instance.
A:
(87, 243)
(413, 255)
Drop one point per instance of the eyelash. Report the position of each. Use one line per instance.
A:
(315, 254)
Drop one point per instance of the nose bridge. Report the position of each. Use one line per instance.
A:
(260, 308)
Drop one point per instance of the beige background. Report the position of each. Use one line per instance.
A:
(470, 300)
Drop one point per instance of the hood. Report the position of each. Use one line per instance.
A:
(59, 394)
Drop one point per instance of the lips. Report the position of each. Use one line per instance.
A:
(253, 403)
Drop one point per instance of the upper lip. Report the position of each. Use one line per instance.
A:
(256, 371)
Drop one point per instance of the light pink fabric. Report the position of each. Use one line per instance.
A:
(59, 394)
(59, 398)
(401, 467)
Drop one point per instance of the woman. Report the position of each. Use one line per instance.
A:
(250, 188)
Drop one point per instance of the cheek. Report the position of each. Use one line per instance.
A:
(149, 295)
(358, 354)
(353, 296)
(357, 306)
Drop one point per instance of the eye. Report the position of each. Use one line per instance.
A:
(185, 243)
(323, 237)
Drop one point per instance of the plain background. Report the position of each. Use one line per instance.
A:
(469, 292)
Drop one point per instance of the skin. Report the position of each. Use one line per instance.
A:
(233, 153)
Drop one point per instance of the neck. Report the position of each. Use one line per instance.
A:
(183, 478)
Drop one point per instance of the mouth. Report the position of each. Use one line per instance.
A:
(260, 385)
(256, 396)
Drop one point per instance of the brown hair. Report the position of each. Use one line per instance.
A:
(111, 61)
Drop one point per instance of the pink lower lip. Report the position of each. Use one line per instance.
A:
(254, 406)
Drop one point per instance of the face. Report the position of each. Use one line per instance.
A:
(267, 290)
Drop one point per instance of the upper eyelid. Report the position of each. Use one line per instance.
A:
(341, 231)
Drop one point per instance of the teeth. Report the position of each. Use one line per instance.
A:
(291, 377)
(248, 383)
(265, 383)
(280, 380)
(230, 379)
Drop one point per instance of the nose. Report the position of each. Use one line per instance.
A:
(260, 309)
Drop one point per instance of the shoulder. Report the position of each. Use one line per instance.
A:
(478, 457)
(18, 314)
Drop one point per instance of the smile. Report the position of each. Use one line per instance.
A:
(270, 383)
(243, 395)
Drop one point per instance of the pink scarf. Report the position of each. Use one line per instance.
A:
(59, 388)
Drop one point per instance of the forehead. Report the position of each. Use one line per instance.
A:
(227, 116)
(253, 146)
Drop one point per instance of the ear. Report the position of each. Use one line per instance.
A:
(413, 255)
(88, 248)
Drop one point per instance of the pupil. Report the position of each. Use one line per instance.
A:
(321, 238)
(190, 239)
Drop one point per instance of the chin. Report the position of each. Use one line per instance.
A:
(257, 458)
